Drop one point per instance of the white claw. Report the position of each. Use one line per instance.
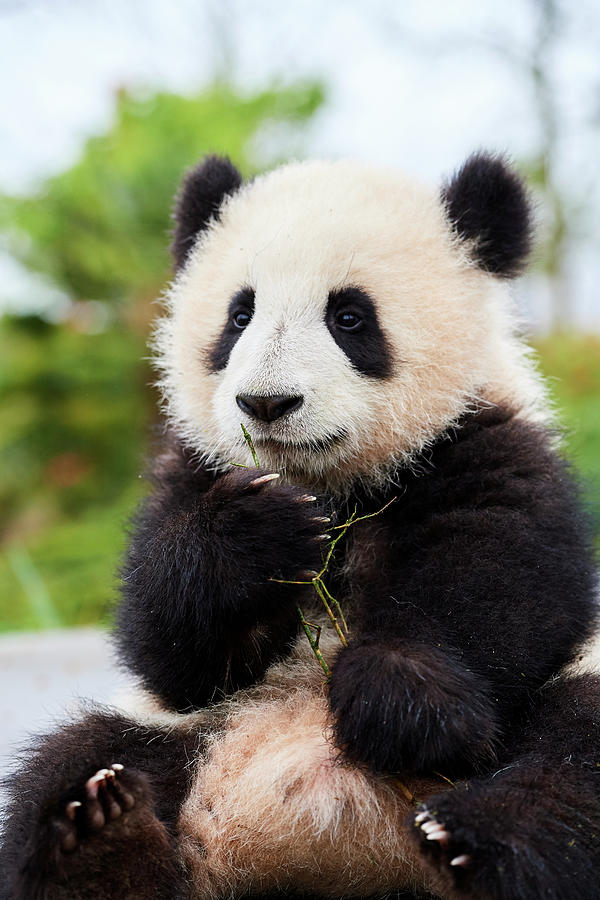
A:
(306, 498)
(431, 826)
(117, 767)
(463, 860)
(440, 835)
(324, 537)
(72, 808)
(263, 479)
(421, 817)
(324, 519)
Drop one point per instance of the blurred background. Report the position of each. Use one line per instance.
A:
(104, 104)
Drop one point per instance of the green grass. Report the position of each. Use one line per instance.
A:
(571, 364)
(66, 575)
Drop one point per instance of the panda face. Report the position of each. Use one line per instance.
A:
(333, 311)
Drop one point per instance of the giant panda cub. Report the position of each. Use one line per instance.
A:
(359, 326)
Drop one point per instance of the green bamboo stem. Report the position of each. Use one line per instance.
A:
(314, 643)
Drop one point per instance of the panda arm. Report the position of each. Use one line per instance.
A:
(484, 588)
(199, 615)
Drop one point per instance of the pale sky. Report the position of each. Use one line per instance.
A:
(417, 85)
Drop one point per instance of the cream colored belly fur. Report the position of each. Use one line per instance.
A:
(274, 806)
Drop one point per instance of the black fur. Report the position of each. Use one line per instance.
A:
(200, 197)
(366, 345)
(217, 356)
(200, 616)
(478, 585)
(134, 855)
(533, 829)
(487, 203)
(474, 588)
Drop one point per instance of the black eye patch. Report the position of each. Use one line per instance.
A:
(239, 315)
(352, 322)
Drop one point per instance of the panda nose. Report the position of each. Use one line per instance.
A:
(267, 409)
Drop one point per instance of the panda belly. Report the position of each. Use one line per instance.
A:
(274, 807)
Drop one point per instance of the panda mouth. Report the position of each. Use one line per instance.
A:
(317, 445)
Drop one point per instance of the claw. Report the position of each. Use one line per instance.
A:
(323, 519)
(324, 537)
(306, 498)
(463, 860)
(93, 783)
(117, 767)
(431, 826)
(263, 479)
(440, 835)
(72, 808)
(421, 817)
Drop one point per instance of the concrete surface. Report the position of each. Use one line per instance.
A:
(44, 677)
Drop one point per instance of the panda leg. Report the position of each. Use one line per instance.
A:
(93, 814)
(533, 829)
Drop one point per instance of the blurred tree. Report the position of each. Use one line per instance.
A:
(100, 229)
(540, 170)
(537, 44)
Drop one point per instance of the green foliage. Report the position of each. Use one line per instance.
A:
(572, 364)
(74, 410)
(100, 229)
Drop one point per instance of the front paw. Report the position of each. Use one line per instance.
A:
(266, 530)
(404, 706)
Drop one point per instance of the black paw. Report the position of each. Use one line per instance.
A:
(400, 706)
(272, 530)
(106, 797)
(446, 848)
(495, 841)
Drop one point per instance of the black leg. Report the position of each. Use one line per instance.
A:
(92, 814)
(533, 829)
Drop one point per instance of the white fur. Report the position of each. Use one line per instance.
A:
(293, 236)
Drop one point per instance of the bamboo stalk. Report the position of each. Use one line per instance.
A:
(314, 643)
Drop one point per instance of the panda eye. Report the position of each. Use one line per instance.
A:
(241, 319)
(348, 321)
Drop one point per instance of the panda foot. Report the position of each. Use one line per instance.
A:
(104, 799)
(525, 834)
(434, 830)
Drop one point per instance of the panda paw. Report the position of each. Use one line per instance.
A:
(275, 530)
(431, 829)
(107, 796)
(400, 707)
(519, 835)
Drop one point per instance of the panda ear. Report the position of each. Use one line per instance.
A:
(487, 203)
(202, 192)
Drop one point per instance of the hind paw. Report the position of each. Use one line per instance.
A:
(442, 841)
(104, 799)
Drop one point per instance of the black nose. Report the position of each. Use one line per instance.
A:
(267, 409)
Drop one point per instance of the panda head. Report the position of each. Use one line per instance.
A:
(345, 316)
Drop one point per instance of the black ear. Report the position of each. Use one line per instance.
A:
(487, 203)
(199, 199)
